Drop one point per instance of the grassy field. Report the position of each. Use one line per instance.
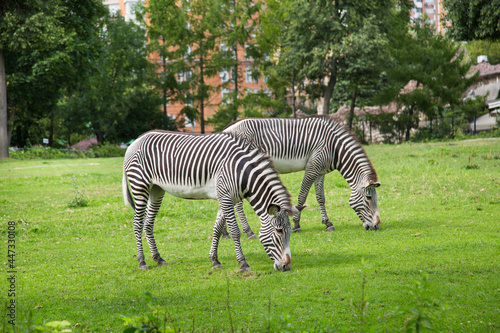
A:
(436, 259)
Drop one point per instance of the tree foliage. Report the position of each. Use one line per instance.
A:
(473, 19)
(427, 76)
(484, 47)
(47, 46)
(118, 101)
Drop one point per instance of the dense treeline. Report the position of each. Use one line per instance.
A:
(70, 69)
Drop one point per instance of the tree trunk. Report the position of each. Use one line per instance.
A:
(329, 90)
(4, 131)
(409, 124)
(99, 136)
(294, 114)
(164, 81)
(353, 105)
(51, 130)
(202, 96)
(235, 95)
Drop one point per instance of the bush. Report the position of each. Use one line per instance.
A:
(39, 152)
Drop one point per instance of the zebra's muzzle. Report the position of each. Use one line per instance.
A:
(285, 266)
(374, 225)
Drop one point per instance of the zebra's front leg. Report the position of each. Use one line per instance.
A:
(155, 199)
(243, 220)
(304, 191)
(227, 209)
(319, 185)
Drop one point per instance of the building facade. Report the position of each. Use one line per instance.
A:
(246, 82)
(433, 11)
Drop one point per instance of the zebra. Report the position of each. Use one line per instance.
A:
(206, 166)
(318, 145)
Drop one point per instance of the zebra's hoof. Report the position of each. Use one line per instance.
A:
(162, 263)
(330, 228)
(298, 229)
(252, 236)
(245, 269)
(143, 267)
(217, 266)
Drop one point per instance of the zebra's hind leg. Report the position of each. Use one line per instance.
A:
(320, 197)
(154, 203)
(141, 199)
(243, 220)
(224, 232)
(220, 224)
(312, 172)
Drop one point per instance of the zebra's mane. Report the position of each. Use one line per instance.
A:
(349, 135)
(358, 147)
(262, 159)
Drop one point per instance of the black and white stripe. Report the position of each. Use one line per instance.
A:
(317, 145)
(213, 166)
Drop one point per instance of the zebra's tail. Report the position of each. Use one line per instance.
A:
(127, 196)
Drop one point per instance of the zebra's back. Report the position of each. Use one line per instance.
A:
(289, 142)
(187, 164)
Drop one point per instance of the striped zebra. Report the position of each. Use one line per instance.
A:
(318, 145)
(213, 166)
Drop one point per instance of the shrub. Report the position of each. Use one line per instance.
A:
(39, 152)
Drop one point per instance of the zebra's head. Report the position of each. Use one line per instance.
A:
(364, 202)
(275, 236)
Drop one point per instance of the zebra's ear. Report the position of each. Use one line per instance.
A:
(273, 209)
(296, 209)
(372, 183)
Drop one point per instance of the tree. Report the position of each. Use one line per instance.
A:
(484, 47)
(239, 25)
(187, 40)
(45, 47)
(427, 76)
(319, 34)
(365, 51)
(118, 101)
(473, 19)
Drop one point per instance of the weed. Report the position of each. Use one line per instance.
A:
(421, 311)
(156, 320)
(361, 307)
(281, 323)
(79, 198)
(471, 165)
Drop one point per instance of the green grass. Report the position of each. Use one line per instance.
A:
(440, 216)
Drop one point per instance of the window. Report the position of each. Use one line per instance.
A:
(247, 56)
(223, 47)
(189, 122)
(225, 96)
(113, 9)
(130, 10)
(224, 76)
(250, 78)
(184, 76)
(429, 10)
(233, 74)
(189, 50)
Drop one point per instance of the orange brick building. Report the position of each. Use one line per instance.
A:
(246, 82)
